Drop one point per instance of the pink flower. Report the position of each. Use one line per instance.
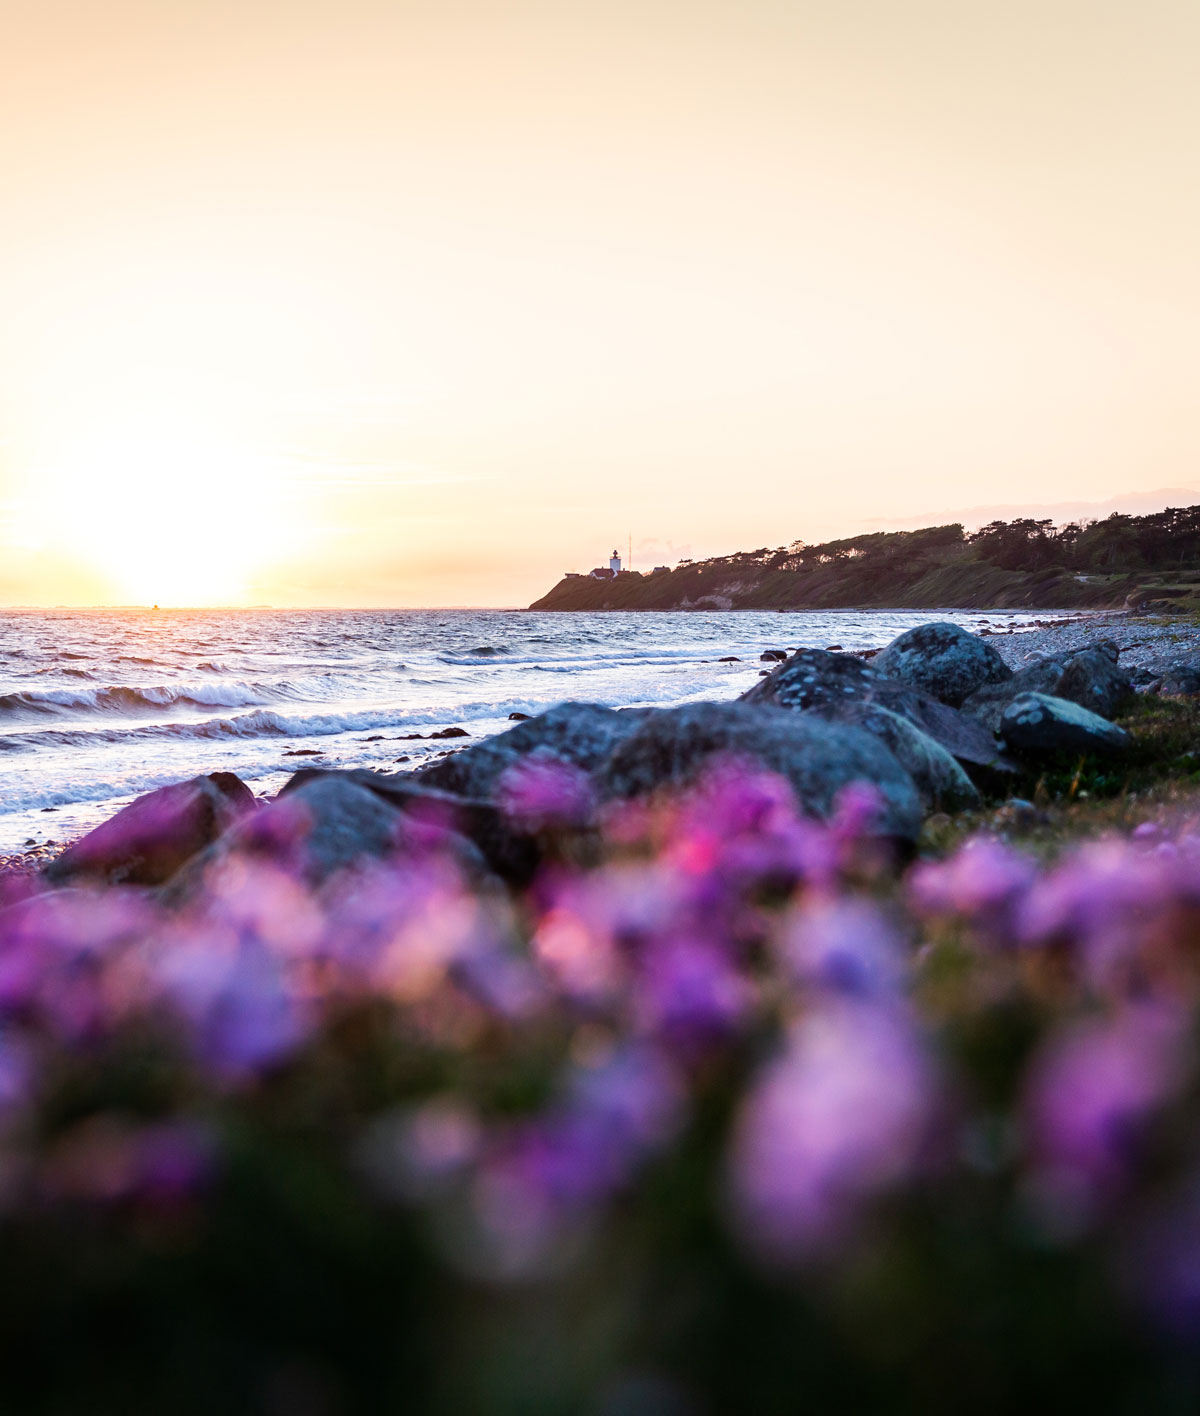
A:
(540, 792)
(843, 945)
(837, 1120)
(1088, 1097)
(689, 993)
(982, 885)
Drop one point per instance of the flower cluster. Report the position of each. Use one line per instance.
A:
(729, 1016)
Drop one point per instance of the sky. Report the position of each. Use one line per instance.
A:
(345, 302)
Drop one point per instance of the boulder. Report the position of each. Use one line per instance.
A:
(509, 853)
(1092, 679)
(1182, 677)
(1146, 680)
(1089, 677)
(147, 841)
(580, 733)
(772, 656)
(327, 823)
(815, 678)
(671, 747)
(944, 660)
(942, 783)
(1036, 725)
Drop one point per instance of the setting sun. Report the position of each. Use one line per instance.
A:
(164, 509)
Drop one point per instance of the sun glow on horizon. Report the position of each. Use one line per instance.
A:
(164, 506)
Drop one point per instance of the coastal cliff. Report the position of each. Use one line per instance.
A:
(1119, 563)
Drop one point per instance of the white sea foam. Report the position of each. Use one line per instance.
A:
(172, 694)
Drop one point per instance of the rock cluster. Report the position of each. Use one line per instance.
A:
(934, 706)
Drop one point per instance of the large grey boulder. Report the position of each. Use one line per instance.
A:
(147, 841)
(1036, 725)
(1093, 679)
(943, 660)
(582, 734)
(942, 783)
(1089, 677)
(671, 747)
(510, 853)
(325, 825)
(1181, 678)
(815, 678)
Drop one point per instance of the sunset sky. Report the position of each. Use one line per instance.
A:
(364, 303)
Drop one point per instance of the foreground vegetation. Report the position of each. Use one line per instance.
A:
(725, 1112)
(1006, 565)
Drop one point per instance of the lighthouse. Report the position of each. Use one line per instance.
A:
(614, 563)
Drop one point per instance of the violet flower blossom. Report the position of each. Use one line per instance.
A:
(542, 792)
(241, 1014)
(1108, 903)
(834, 1122)
(1089, 1094)
(983, 885)
(843, 945)
(544, 1179)
(689, 994)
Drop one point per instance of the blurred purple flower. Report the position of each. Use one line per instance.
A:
(1105, 900)
(111, 1158)
(175, 1159)
(504, 982)
(539, 793)
(418, 1152)
(741, 828)
(857, 810)
(982, 885)
(843, 945)
(544, 1178)
(689, 994)
(17, 1071)
(838, 1119)
(1088, 1096)
(594, 924)
(241, 1014)
(738, 797)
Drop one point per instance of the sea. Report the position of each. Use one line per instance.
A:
(97, 706)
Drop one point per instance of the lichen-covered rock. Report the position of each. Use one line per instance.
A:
(1035, 725)
(815, 678)
(1092, 679)
(943, 660)
(670, 747)
(582, 734)
(1182, 677)
(943, 784)
(1089, 677)
(147, 841)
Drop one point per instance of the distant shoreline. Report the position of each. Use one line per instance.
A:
(1122, 563)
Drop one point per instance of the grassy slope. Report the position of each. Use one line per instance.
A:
(959, 579)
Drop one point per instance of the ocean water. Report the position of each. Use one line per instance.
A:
(97, 706)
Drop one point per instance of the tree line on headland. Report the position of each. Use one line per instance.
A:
(1025, 563)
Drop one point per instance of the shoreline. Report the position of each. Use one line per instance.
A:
(1143, 642)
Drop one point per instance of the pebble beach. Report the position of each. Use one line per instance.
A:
(1144, 643)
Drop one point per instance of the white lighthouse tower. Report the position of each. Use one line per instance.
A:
(614, 563)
